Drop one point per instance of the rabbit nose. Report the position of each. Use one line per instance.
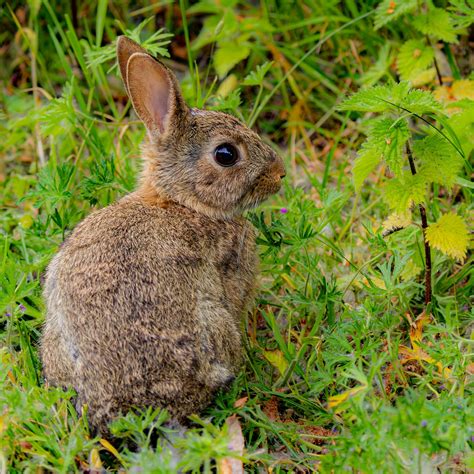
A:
(278, 168)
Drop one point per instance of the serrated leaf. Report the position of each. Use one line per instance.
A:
(228, 55)
(390, 10)
(440, 163)
(397, 221)
(449, 235)
(386, 139)
(376, 99)
(397, 97)
(405, 191)
(255, 78)
(413, 58)
(421, 102)
(438, 23)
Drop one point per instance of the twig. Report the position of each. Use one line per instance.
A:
(424, 225)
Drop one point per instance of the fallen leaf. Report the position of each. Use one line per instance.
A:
(240, 402)
(271, 409)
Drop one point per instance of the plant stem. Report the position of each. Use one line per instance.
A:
(424, 225)
(438, 72)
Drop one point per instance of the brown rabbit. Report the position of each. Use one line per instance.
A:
(146, 297)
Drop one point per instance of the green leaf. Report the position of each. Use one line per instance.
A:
(463, 12)
(390, 10)
(462, 124)
(255, 78)
(421, 102)
(380, 68)
(413, 58)
(449, 235)
(366, 161)
(228, 55)
(440, 163)
(385, 140)
(465, 183)
(404, 192)
(376, 99)
(438, 23)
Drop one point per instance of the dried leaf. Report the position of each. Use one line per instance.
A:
(240, 402)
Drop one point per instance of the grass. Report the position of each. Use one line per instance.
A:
(344, 370)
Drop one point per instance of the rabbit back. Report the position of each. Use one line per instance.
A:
(145, 306)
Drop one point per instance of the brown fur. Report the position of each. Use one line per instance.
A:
(146, 297)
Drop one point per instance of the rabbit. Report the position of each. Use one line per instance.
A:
(146, 297)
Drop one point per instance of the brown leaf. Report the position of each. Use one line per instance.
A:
(271, 409)
(241, 402)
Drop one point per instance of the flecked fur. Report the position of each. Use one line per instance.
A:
(145, 298)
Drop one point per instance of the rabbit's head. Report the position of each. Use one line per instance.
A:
(208, 161)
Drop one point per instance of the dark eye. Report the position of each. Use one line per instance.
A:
(226, 155)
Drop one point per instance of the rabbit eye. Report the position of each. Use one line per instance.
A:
(226, 155)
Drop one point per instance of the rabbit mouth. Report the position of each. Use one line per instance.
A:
(260, 193)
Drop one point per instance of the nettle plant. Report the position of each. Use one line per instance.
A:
(424, 149)
(427, 26)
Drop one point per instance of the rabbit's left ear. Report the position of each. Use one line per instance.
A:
(125, 48)
(152, 88)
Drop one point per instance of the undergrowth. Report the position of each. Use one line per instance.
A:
(347, 366)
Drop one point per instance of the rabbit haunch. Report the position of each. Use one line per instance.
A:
(146, 297)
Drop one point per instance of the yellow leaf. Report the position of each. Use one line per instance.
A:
(397, 221)
(227, 86)
(423, 77)
(421, 356)
(449, 235)
(416, 328)
(109, 447)
(95, 463)
(26, 221)
(463, 89)
(289, 281)
(342, 397)
(277, 359)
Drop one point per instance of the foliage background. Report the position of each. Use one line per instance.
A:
(344, 369)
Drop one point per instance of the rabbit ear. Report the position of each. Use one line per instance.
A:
(155, 94)
(125, 48)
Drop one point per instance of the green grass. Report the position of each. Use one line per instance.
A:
(343, 372)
